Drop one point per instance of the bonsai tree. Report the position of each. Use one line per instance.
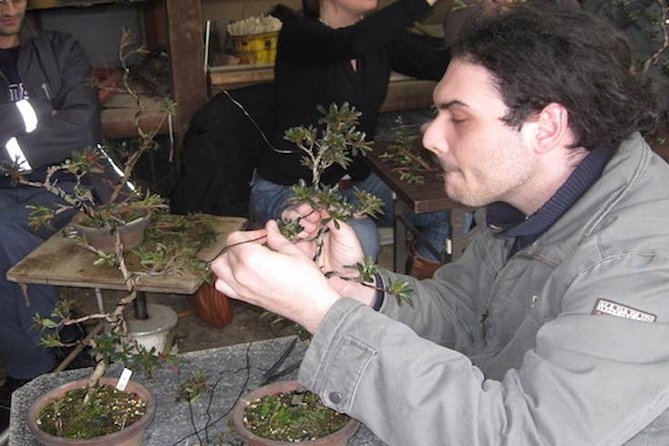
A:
(410, 164)
(125, 202)
(171, 245)
(335, 143)
(289, 413)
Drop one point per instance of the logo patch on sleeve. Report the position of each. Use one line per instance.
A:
(604, 306)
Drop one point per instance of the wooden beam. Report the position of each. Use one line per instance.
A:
(186, 42)
(403, 93)
(118, 116)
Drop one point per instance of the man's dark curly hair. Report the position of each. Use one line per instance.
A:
(539, 56)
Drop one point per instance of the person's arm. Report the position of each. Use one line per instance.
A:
(18, 118)
(311, 43)
(602, 376)
(417, 58)
(71, 120)
(13, 122)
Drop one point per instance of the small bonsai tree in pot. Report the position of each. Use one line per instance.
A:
(126, 209)
(283, 412)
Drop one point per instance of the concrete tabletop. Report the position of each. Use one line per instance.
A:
(230, 371)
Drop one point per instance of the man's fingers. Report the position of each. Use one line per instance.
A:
(277, 242)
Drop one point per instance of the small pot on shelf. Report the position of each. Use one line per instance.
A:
(104, 239)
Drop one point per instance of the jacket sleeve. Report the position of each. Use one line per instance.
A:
(12, 124)
(444, 309)
(308, 42)
(590, 379)
(70, 118)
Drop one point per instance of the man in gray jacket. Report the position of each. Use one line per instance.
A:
(47, 110)
(553, 328)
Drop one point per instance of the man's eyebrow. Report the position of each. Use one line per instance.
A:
(450, 104)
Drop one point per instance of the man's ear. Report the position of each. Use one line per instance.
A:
(549, 128)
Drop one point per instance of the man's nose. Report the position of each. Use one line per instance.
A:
(430, 137)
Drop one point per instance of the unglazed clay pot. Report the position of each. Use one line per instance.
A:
(338, 438)
(132, 435)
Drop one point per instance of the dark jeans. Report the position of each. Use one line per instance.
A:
(268, 200)
(24, 358)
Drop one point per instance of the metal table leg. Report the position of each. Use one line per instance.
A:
(139, 304)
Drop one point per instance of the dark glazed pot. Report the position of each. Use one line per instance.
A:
(130, 436)
(338, 438)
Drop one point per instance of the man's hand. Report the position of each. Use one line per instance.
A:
(339, 253)
(278, 277)
(340, 246)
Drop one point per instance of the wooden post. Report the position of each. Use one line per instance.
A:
(186, 43)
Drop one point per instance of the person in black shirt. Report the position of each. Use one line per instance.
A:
(332, 54)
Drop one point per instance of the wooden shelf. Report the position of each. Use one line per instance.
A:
(176, 24)
(118, 116)
(234, 76)
(50, 4)
(403, 93)
(408, 94)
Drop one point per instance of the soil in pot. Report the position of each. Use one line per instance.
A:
(109, 417)
(290, 414)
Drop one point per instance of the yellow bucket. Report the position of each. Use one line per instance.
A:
(256, 48)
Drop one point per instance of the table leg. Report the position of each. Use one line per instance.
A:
(139, 303)
(101, 303)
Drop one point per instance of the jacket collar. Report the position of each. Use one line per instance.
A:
(507, 222)
(27, 33)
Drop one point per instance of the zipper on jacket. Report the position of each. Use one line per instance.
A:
(482, 321)
(47, 90)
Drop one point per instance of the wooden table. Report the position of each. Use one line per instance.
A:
(60, 262)
(418, 198)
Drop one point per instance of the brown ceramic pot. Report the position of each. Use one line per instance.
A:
(130, 436)
(212, 306)
(339, 438)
